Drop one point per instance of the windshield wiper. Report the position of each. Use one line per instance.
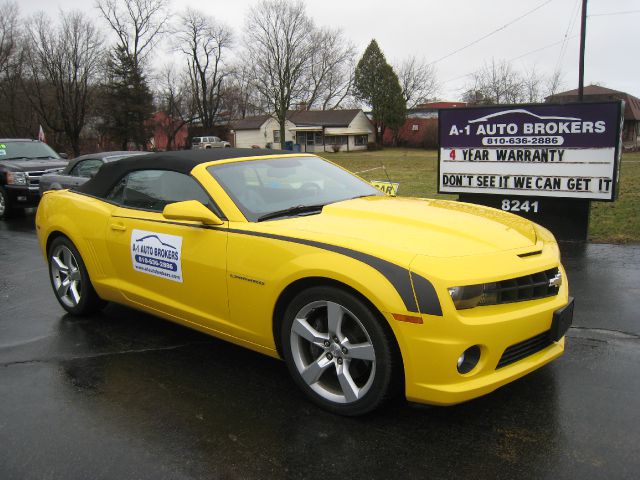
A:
(298, 209)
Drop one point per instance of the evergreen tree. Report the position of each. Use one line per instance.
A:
(128, 101)
(377, 84)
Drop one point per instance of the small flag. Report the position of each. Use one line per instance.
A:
(41, 136)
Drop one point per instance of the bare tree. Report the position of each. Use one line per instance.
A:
(532, 85)
(554, 83)
(8, 34)
(204, 41)
(418, 81)
(62, 64)
(15, 119)
(138, 24)
(279, 43)
(174, 99)
(330, 73)
(497, 82)
(239, 97)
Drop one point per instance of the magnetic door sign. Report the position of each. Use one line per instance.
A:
(157, 254)
(550, 150)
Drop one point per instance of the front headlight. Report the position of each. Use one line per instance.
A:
(527, 287)
(16, 178)
(471, 296)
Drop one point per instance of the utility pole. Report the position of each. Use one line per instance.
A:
(583, 34)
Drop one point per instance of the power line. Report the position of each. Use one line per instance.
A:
(613, 13)
(543, 48)
(491, 33)
(569, 31)
(531, 52)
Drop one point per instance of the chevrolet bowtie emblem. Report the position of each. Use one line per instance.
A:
(556, 280)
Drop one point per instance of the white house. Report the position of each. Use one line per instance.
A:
(313, 130)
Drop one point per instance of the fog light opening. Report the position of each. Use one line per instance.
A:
(469, 359)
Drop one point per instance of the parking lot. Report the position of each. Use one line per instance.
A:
(127, 395)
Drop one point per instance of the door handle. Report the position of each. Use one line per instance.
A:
(118, 226)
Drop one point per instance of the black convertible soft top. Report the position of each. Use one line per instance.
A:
(179, 161)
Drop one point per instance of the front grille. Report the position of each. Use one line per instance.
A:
(524, 349)
(34, 178)
(528, 287)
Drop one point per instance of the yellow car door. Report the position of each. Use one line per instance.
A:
(174, 267)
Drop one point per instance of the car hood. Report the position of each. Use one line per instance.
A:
(32, 165)
(413, 226)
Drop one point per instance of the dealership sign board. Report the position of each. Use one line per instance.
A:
(551, 150)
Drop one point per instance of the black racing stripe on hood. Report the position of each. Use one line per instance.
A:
(399, 277)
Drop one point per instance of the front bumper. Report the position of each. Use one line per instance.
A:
(21, 196)
(431, 350)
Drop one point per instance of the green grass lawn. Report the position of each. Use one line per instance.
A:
(416, 171)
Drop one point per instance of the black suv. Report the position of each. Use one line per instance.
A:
(22, 163)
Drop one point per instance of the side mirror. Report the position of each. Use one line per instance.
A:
(63, 155)
(191, 210)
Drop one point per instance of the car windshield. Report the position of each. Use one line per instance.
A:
(195, 140)
(26, 151)
(262, 188)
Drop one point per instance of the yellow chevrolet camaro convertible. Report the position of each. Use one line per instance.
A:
(364, 296)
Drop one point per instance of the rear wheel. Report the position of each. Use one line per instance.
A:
(70, 279)
(338, 352)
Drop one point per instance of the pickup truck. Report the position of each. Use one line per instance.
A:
(22, 163)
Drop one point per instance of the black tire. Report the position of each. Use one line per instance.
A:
(6, 209)
(79, 296)
(372, 382)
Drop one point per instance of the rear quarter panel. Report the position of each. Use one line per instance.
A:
(84, 220)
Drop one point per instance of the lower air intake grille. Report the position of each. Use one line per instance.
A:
(524, 349)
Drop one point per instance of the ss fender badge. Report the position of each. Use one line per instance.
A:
(246, 279)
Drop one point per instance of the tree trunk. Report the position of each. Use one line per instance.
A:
(282, 122)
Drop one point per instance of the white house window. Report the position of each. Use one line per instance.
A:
(336, 139)
(276, 136)
(415, 127)
(361, 140)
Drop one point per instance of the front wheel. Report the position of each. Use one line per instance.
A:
(338, 351)
(6, 210)
(70, 279)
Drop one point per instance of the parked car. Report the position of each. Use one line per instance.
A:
(292, 256)
(80, 169)
(22, 162)
(204, 143)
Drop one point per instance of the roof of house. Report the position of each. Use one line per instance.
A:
(250, 123)
(430, 105)
(322, 118)
(596, 92)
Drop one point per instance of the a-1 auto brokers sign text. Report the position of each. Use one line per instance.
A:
(569, 150)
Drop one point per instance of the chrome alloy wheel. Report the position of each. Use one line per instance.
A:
(66, 276)
(333, 352)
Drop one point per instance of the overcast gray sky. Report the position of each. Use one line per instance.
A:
(432, 29)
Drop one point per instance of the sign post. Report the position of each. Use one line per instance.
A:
(546, 162)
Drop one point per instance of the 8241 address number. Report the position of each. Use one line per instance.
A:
(513, 205)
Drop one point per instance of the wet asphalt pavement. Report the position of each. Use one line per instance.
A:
(126, 395)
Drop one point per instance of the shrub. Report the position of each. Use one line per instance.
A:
(372, 146)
